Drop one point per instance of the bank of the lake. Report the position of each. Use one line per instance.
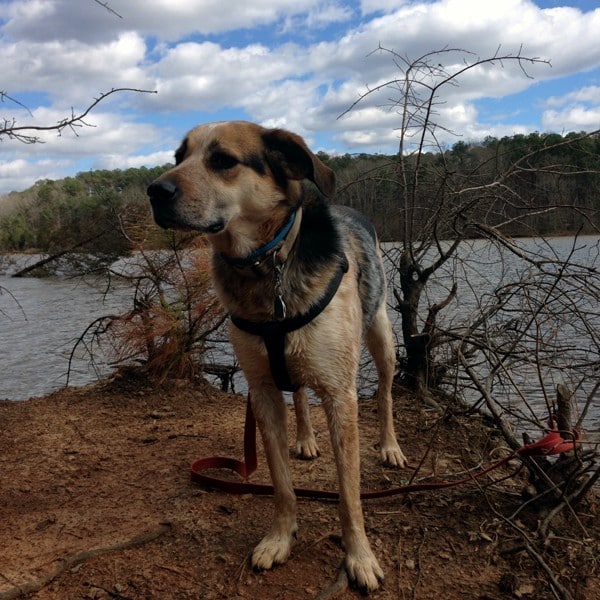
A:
(96, 502)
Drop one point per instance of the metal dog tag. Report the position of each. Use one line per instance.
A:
(279, 308)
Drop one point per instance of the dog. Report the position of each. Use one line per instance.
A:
(303, 282)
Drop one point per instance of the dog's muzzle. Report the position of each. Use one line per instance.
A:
(164, 195)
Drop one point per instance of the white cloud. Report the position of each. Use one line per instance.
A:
(578, 110)
(572, 118)
(204, 76)
(117, 161)
(19, 174)
(73, 71)
(298, 65)
(84, 20)
(590, 93)
(371, 6)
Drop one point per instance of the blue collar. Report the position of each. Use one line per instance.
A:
(252, 259)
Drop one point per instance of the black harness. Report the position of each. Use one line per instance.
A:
(274, 333)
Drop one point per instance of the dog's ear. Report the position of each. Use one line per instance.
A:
(288, 153)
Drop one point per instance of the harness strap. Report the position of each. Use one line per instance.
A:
(274, 332)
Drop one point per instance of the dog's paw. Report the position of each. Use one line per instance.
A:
(392, 456)
(273, 549)
(364, 571)
(307, 449)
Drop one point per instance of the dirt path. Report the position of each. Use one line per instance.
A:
(96, 502)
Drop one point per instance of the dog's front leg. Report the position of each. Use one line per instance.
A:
(361, 565)
(270, 412)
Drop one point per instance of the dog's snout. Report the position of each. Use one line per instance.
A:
(165, 191)
(163, 199)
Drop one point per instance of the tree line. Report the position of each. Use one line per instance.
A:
(106, 207)
(555, 190)
(546, 184)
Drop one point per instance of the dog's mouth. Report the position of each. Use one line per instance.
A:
(215, 227)
(168, 218)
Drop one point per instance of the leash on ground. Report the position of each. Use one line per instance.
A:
(551, 444)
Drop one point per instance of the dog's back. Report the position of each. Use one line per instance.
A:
(359, 232)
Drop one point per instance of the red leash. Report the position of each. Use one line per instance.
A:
(552, 443)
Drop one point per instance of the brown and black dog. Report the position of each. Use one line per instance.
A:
(303, 282)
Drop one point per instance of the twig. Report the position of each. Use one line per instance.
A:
(75, 120)
(558, 590)
(418, 565)
(568, 502)
(108, 8)
(313, 544)
(340, 585)
(115, 595)
(35, 586)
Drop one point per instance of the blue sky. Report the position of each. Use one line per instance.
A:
(296, 65)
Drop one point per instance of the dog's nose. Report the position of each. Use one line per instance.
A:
(164, 191)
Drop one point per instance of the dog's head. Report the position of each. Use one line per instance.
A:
(230, 171)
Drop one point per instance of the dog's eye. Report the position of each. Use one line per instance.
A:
(221, 161)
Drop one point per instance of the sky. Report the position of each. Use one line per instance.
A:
(294, 64)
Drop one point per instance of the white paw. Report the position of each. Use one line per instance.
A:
(307, 449)
(392, 456)
(273, 549)
(364, 571)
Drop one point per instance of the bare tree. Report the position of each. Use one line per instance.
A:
(438, 205)
(528, 351)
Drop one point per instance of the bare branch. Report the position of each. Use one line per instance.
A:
(108, 8)
(75, 120)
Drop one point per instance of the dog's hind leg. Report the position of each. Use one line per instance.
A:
(380, 342)
(270, 412)
(306, 443)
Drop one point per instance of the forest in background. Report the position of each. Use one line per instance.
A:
(556, 191)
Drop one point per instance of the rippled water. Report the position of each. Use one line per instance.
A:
(40, 319)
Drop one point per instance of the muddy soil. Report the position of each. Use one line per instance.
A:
(96, 501)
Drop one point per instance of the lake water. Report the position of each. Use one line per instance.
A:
(40, 319)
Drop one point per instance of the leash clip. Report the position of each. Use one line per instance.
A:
(279, 307)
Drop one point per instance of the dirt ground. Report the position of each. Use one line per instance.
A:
(96, 501)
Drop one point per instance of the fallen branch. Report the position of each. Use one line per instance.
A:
(559, 590)
(57, 255)
(35, 586)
